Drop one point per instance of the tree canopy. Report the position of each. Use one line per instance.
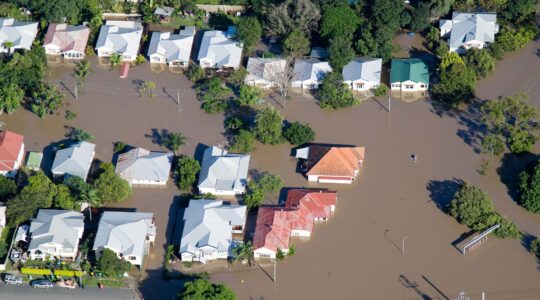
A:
(303, 15)
(261, 185)
(186, 171)
(299, 134)
(8, 188)
(201, 289)
(481, 61)
(249, 32)
(339, 21)
(111, 265)
(296, 44)
(529, 188)
(268, 126)
(111, 188)
(333, 94)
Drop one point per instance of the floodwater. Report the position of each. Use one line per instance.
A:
(358, 254)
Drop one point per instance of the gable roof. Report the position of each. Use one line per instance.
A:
(210, 223)
(120, 36)
(366, 69)
(74, 160)
(318, 202)
(472, 26)
(223, 171)
(124, 232)
(67, 37)
(21, 34)
(334, 161)
(172, 46)
(412, 69)
(264, 69)
(310, 69)
(10, 146)
(215, 46)
(56, 226)
(141, 164)
(272, 229)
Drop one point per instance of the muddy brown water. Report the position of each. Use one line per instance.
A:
(357, 254)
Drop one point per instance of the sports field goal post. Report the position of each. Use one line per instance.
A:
(479, 239)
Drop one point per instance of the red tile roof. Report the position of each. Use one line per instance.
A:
(337, 161)
(317, 202)
(67, 37)
(10, 146)
(272, 230)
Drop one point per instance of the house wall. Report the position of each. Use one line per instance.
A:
(157, 59)
(300, 233)
(367, 85)
(261, 83)
(72, 54)
(136, 182)
(53, 250)
(206, 63)
(219, 192)
(264, 253)
(307, 84)
(52, 49)
(468, 45)
(404, 86)
(330, 179)
(204, 254)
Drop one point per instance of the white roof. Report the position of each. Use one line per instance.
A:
(120, 36)
(2, 216)
(124, 232)
(264, 69)
(164, 11)
(223, 171)
(141, 164)
(56, 226)
(21, 34)
(74, 160)
(216, 47)
(172, 46)
(472, 27)
(210, 223)
(310, 69)
(367, 69)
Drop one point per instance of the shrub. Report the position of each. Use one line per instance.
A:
(280, 255)
(333, 94)
(381, 90)
(529, 189)
(269, 126)
(195, 73)
(243, 142)
(70, 115)
(299, 134)
(119, 147)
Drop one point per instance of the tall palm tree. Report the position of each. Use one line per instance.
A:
(174, 141)
(244, 253)
(91, 196)
(82, 70)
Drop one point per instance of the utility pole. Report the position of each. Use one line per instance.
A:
(178, 99)
(275, 264)
(76, 90)
(403, 243)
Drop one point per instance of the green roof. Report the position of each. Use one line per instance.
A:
(34, 160)
(412, 69)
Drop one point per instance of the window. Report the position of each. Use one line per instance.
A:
(131, 257)
(423, 86)
(409, 86)
(265, 256)
(359, 85)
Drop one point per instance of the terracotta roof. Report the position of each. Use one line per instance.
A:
(317, 202)
(10, 146)
(336, 161)
(272, 230)
(67, 37)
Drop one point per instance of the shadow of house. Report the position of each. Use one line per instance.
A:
(442, 192)
(511, 166)
(49, 153)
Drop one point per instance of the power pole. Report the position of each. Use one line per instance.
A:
(76, 90)
(275, 264)
(178, 99)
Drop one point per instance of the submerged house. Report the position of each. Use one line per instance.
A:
(209, 229)
(469, 30)
(121, 37)
(309, 73)
(66, 40)
(265, 72)
(409, 75)
(219, 51)
(141, 167)
(172, 49)
(331, 164)
(363, 74)
(75, 160)
(11, 152)
(222, 173)
(16, 35)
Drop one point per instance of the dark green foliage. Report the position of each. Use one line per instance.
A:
(4, 248)
(339, 21)
(195, 73)
(292, 250)
(420, 19)
(493, 143)
(529, 189)
(174, 141)
(296, 44)
(111, 188)
(70, 115)
(381, 90)
(405, 18)
(213, 93)
(456, 85)
(81, 135)
(481, 61)
(38, 193)
(46, 100)
(111, 265)
(341, 52)
(203, 289)
(333, 94)
(249, 95)
(243, 142)
(519, 10)
(10, 98)
(469, 205)
(8, 188)
(290, 15)
(260, 186)
(534, 248)
(244, 252)
(299, 134)
(119, 147)
(280, 255)
(186, 172)
(514, 120)
(63, 199)
(268, 126)
(249, 32)
(237, 76)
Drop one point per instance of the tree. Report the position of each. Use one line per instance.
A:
(494, 144)
(186, 172)
(115, 59)
(296, 44)
(456, 85)
(249, 32)
(299, 134)
(203, 289)
(8, 188)
(213, 93)
(111, 188)
(249, 95)
(81, 135)
(518, 11)
(243, 142)
(405, 18)
(195, 73)
(268, 126)
(420, 21)
(64, 200)
(4, 248)
(529, 189)
(254, 197)
(38, 193)
(339, 21)
(440, 7)
(341, 53)
(111, 265)
(280, 255)
(282, 79)
(83, 69)
(481, 61)
(449, 59)
(513, 119)
(292, 250)
(174, 141)
(333, 94)
(292, 14)
(259, 187)
(10, 98)
(244, 252)
(469, 205)
(46, 100)
(57, 11)
(147, 89)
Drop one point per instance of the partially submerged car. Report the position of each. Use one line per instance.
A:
(13, 279)
(42, 284)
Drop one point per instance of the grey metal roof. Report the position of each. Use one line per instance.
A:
(172, 46)
(124, 232)
(141, 164)
(164, 11)
(310, 69)
(120, 36)
(56, 226)
(367, 69)
(215, 46)
(224, 171)
(74, 160)
(209, 223)
(21, 34)
(264, 69)
(472, 26)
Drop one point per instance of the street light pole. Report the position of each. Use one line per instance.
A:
(403, 244)
(275, 264)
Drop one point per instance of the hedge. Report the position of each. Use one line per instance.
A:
(68, 273)
(64, 273)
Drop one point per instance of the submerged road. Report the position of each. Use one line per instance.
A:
(24, 292)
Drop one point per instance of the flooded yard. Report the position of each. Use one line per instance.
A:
(358, 254)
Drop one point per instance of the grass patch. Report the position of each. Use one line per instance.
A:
(107, 282)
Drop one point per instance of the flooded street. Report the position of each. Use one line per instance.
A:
(358, 253)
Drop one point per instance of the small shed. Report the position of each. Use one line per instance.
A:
(34, 160)
(164, 13)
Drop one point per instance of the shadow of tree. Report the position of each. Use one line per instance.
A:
(441, 192)
(157, 136)
(511, 166)
(526, 242)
